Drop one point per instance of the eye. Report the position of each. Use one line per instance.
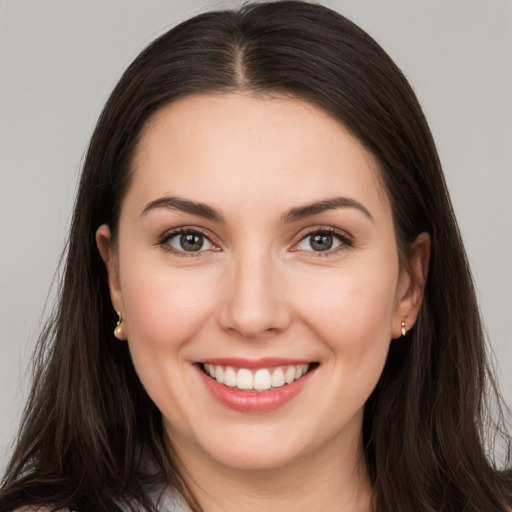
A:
(188, 241)
(322, 241)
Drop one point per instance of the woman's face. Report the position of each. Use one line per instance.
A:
(256, 242)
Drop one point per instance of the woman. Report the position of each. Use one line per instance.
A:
(266, 300)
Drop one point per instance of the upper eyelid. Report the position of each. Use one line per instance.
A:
(171, 233)
(323, 229)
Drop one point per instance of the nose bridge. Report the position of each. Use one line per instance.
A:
(255, 300)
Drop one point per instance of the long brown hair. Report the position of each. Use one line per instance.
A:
(89, 422)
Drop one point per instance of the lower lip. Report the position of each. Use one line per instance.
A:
(255, 401)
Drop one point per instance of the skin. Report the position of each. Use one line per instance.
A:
(258, 289)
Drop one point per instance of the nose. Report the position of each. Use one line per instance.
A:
(254, 300)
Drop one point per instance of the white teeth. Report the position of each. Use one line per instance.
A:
(244, 379)
(278, 378)
(230, 377)
(289, 375)
(263, 379)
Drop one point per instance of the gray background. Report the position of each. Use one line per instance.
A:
(59, 59)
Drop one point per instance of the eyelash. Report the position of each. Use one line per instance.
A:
(165, 239)
(344, 239)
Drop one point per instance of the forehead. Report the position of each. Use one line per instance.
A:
(249, 150)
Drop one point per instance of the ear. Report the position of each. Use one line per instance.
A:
(411, 285)
(109, 256)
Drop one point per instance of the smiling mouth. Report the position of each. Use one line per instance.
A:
(259, 380)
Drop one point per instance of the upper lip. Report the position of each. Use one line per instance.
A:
(265, 362)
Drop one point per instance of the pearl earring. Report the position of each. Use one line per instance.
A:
(119, 331)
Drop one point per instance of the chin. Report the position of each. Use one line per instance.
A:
(244, 446)
(256, 458)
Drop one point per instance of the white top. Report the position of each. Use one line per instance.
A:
(169, 500)
(165, 500)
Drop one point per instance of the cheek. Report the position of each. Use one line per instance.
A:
(165, 308)
(351, 309)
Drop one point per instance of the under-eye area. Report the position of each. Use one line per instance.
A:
(261, 379)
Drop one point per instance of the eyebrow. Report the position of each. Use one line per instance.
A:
(292, 215)
(317, 207)
(184, 205)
